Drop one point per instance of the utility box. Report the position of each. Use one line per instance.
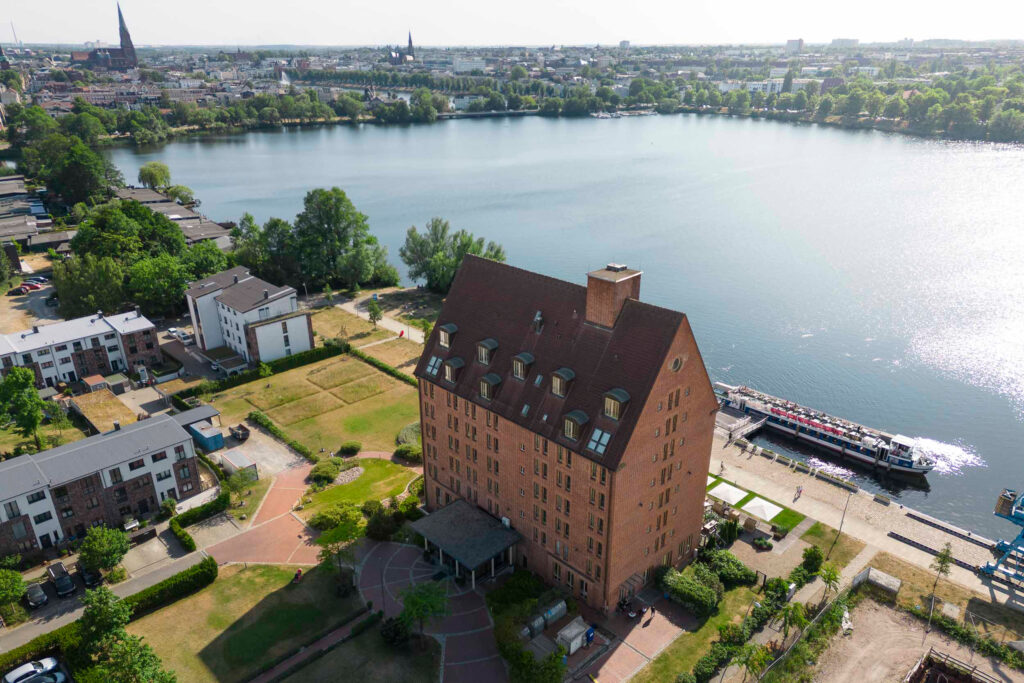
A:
(555, 612)
(573, 635)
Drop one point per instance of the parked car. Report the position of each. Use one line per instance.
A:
(41, 278)
(37, 280)
(52, 677)
(62, 581)
(173, 331)
(36, 596)
(187, 339)
(30, 285)
(16, 291)
(52, 301)
(89, 578)
(29, 672)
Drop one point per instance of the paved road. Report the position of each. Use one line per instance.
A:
(70, 609)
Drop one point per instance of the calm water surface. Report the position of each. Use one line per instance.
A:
(877, 277)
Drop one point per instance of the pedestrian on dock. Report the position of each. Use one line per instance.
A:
(799, 492)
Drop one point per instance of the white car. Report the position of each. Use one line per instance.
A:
(28, 672)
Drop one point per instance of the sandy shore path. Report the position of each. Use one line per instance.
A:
(866, 520)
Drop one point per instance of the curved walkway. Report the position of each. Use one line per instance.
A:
(469, 651)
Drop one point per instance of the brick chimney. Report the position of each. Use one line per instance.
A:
(607, 291)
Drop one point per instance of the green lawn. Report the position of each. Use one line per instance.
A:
(368, 659)
(380, 480)
(325, 403)
(259, 490)
(248, 618)
(683, 652)
(842, 550)
(9, 439)
(333, 322)
(788, 518)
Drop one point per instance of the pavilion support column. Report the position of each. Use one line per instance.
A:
(473, 578)
(440, 555)
(456, 569)
(492, 567)
(425, 543)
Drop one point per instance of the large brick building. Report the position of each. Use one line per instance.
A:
(52, 496)
(92, 345)
(578, 416)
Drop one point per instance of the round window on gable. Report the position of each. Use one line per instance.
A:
(678, 362)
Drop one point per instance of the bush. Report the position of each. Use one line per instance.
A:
(325, 471)
(733, 634)
(366, 623)
(729, 531)
(690, 593)
(707, 576)
(173, 588)
(350, 448)
(205, 511)
(409, 452)
(381, 526)
(776, 586)
(800, 576)
(686, 677)
(763, 543)
(409, 434)
(410, 508)
(332, 516)
(730, 570)
(813, 558)
(217, 470)
(708, 665)
(372, 507)
(395, 631)
(184, 537)
(416, 487)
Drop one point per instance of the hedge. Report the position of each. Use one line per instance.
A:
(66, 642)
(268, 424)
(196, 514)
(214, 467)
(350, 448)
(173, 588)
(690, 593)
(384, 367)
(409, 452)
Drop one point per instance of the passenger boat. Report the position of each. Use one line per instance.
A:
(891, 452)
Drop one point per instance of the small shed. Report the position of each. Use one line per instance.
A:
(95, 382)
(117, 383)
(233, 460)
(208, 437)
(573, 635)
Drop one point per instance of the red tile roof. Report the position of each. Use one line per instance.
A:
(493, 300)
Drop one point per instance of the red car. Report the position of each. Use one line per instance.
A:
(31, 285)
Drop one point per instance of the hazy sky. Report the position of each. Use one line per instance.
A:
(523, 22)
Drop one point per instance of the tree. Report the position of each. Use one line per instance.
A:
(376, 315)
(424, 602)
(204, 258)
(154, 174)
(158, 284)
(182, 193)
(60, 421)
(86, 284)
(830, 577)
(103, 548)
(941, 564)
(356, 266)
(328, 227)
(793, 616)
(80, 175)
(12, 384)
(754, 658)
(27, 408)
(517, 73)
(437, 254)
(127, 659)
(813, 557)
(237, 483)
(104, 615)
(12, 586)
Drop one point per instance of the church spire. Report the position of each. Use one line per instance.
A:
(126, 38)
(409, 50)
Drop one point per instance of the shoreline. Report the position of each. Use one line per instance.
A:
(865, 518)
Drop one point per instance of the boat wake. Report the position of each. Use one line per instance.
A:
(949, 457)
(830, 468)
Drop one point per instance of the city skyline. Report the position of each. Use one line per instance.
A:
(468, 24)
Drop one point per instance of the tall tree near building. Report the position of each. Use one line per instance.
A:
(103, 548)
(424, 602)
(127, 659)
(154, 174)
(326, 230)
(80, 175)
(87, 284)
(435, 255)
(12, 586)
(158, 284)
(104, 615)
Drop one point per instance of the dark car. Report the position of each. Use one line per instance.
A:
(62, 582)
(90, 578)
(36, 596)
(16, 291)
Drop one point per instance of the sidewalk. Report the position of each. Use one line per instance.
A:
(332, 638)
(71, 608)
(358, 307)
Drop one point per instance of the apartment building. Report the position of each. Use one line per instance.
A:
(255, 319)
(53, 496)
(92, 345)
(579, 417)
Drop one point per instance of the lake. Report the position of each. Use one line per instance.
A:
(876, 277)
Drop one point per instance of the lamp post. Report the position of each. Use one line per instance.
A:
(841, 520)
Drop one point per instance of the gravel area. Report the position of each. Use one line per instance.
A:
(349, 476)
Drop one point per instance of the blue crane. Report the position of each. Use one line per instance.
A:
(1009, 506)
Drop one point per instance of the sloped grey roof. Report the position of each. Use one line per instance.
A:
(467, 533)
(73, 461)
(197, 414)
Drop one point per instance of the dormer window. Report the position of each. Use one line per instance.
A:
(445, 333)
(452, 366)
(573, 423)
(599, 441)
(560, 379)
(488, 383)
(433, 366)
(521, 365)
(485, 351)
(615, 402)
